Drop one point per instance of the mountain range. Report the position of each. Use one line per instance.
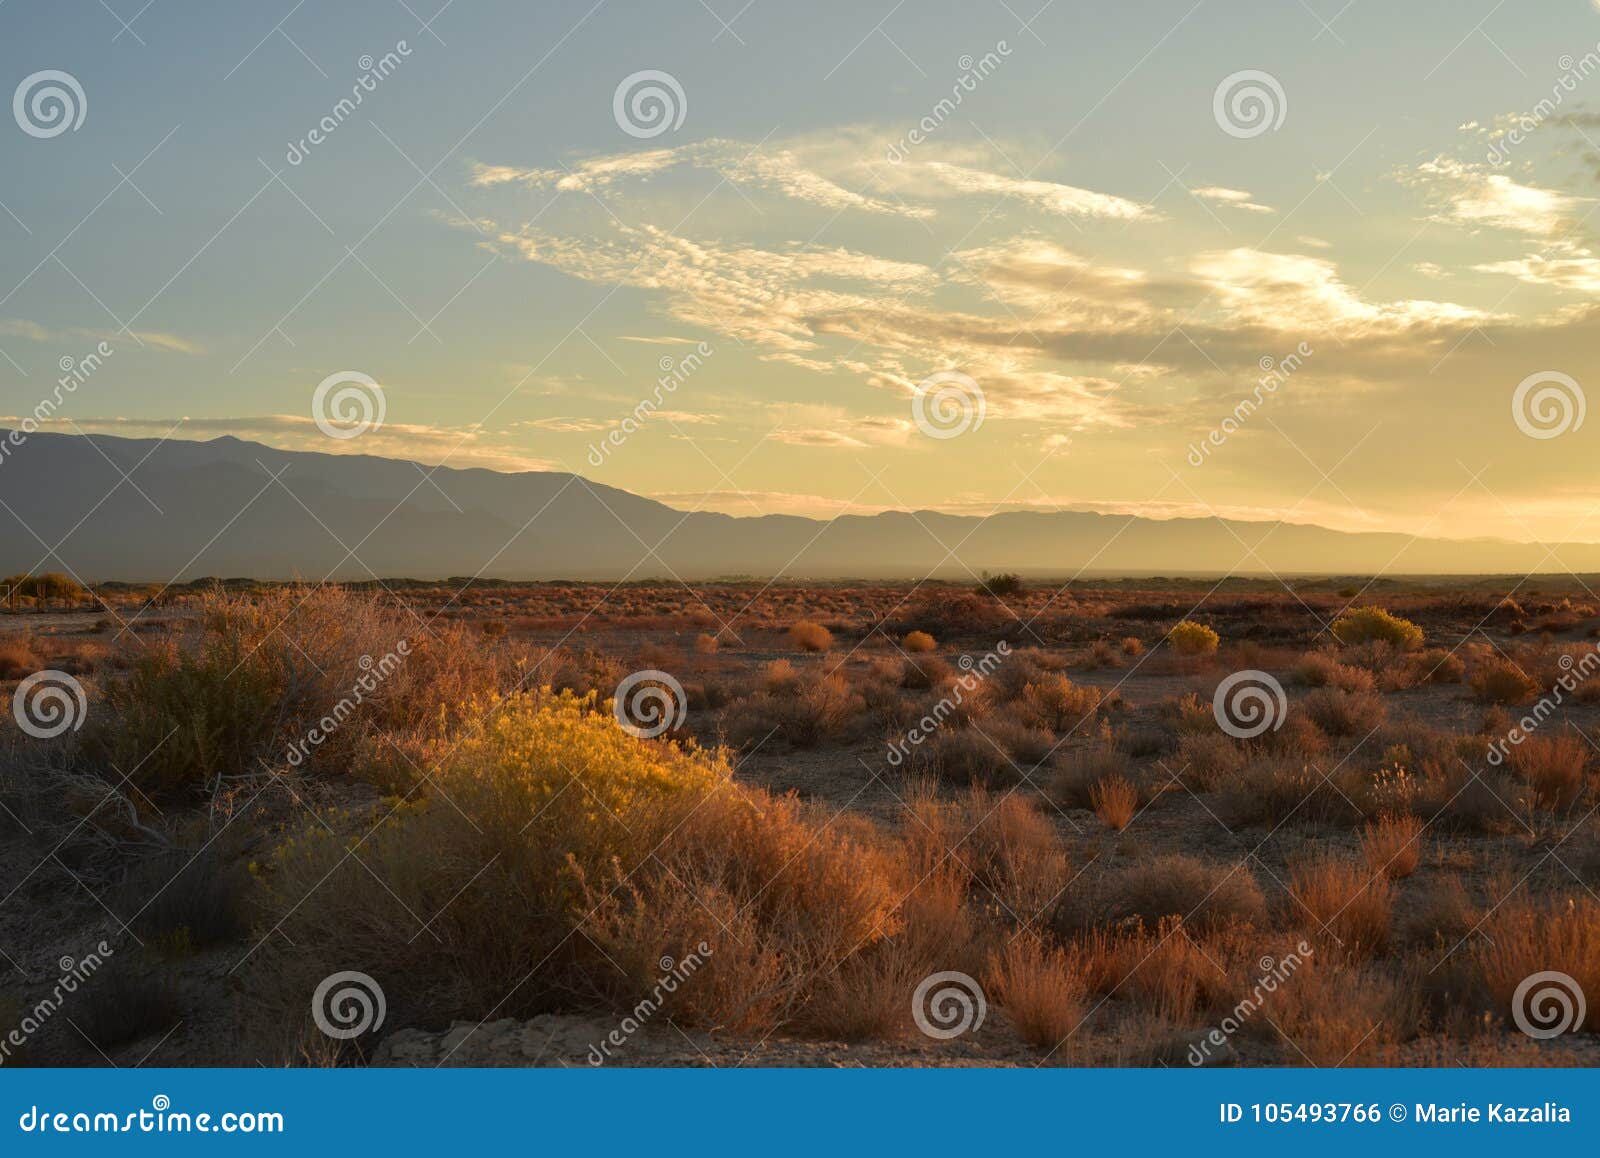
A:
(142, 510)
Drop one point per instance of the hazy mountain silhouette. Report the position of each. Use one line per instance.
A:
(136, 509)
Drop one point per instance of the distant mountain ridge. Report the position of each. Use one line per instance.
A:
(227, 507)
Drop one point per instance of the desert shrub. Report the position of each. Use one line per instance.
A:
(1390, 845)
(1130, 645)
(1208, 761)
(18, 659)
(923, 673)
(1275, 791)
(186, 899)
(1553, 766)
(1439, 915)
(1369, 624)
(1027, 745)
(1499, 681)
(1115, 801)
(119, 1004)
(1055, 702)
(705, 644)
(808, 636)
(1434, 665)
(780, 677)
(1040, 988)
(1337, 1011)
(1002, 584)
(1346, 901)
(1009, 850)
(1523, 936)
(1081, 773)
(243, 696)
(806, 711)
(918, 641)
(1343, 713)
(1320, 670)
(1188, 715)
(1190, 638)
(545, 809)
(964, 757)
(1199, 893)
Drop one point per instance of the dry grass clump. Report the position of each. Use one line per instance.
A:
(918, 641)
(808, 636)
(543, 808)
(1115, 801)
(1041, 989)
(965, 757)
(1190, 638)
(1525, 936)
(1347, 901)
(1391, 845)
(1552, 766)
(1369, 624)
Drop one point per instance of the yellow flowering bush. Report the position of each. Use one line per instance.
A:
(1369, 624)
(1191, 638)
(543, 850)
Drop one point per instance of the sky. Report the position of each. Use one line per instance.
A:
(1327, 261)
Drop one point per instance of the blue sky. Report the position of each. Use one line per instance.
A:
(1081, 238)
